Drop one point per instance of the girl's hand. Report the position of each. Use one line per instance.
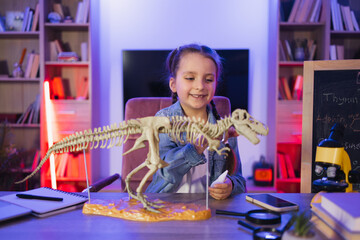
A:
(221, 190)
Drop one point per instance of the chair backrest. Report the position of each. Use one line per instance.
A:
(144, 107)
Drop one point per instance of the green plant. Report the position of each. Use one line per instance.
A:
(302, 225)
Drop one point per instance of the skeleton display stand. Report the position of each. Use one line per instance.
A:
(180, 129)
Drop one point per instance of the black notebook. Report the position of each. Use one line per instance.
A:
(45, 208)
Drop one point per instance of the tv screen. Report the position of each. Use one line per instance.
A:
(144, 75)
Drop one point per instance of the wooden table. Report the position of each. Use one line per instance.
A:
(76, 225)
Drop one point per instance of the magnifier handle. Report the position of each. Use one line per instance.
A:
(244, 224)
(223, 212)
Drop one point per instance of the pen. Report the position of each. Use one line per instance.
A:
(29, 196)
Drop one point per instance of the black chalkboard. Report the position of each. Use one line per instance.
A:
(336, 99)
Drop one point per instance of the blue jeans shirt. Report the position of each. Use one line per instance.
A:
(182, 157)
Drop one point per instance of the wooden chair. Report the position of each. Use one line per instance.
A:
(144, 107)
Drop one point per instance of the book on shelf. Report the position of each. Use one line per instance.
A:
(59, 46)
(312, 49)
(282, 54)
(79, 12)
(304, 11)
(82, 88)
(282, 95)
(354, 21)
(2, 24)
(35, 66)
(30, 59)
(4, 68)
(315, 14)
(30, 20)
(53, 51)
(45, 208)
(346, 17)
(25, 19)
(84, 51)
(82, 12)
(298, 87)
(287, 89)
(336, 18)
(283, 174)
(86, 10)
(288, 50)
(57, 88)
(36, 160)
(333, 228)
(333, 52)
(340, 51)
(289, 166)
(31, 115)
(35, 22)
(24, 117)
(286, 166)
(62, 164)
(294, 10)
(343, 207)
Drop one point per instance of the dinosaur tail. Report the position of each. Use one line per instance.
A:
(46, 157)
(66, 145)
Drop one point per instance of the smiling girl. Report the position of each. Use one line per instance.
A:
(194, 72)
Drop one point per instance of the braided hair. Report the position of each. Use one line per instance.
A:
(173, 61)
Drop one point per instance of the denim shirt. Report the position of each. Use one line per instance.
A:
(182, 157)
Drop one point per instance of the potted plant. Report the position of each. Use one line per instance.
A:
(302, 227)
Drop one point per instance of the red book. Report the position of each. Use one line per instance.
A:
(282, 166)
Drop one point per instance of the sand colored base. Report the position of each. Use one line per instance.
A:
(133, 210)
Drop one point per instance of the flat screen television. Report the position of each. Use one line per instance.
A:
(144, 75)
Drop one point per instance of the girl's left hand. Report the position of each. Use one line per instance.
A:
(221, 190)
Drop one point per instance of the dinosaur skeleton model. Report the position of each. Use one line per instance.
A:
(181, 129)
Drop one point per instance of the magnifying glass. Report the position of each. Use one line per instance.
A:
(263, 233)
(258, 216)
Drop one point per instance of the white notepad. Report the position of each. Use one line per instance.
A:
(45, 208)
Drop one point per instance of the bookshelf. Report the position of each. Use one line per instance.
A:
(320, 32)
(17, 93)
(71, 100)
(70, 112)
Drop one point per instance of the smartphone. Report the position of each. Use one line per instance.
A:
(271, 202)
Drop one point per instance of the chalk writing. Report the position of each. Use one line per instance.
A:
(350, 145)
(340, 100)
(351, 121)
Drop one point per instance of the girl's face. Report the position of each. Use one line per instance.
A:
(195, 83)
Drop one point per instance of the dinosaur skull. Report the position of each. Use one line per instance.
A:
(247, 126)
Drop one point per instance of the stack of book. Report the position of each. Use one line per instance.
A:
(338, 215)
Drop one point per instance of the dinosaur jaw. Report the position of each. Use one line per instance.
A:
(248, 133)
(251, 131)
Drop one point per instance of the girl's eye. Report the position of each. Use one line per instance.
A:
(209, 80)
(189, 78)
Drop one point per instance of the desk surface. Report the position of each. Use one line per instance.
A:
(76, 225)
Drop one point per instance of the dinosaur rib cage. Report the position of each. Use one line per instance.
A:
(117, 134)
